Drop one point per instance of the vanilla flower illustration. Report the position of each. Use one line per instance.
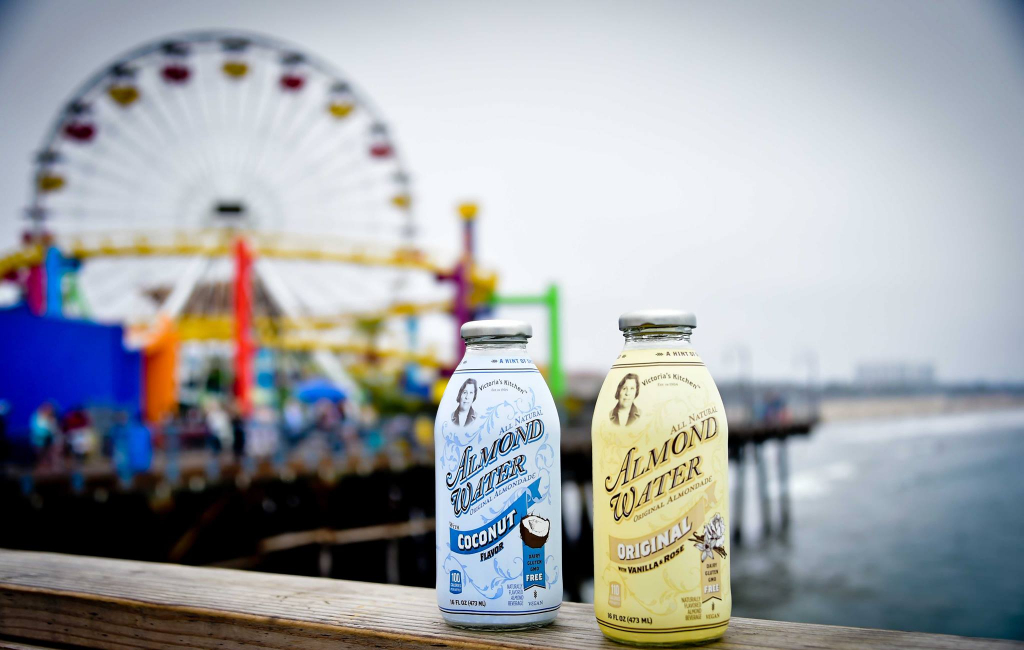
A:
(706, 549)
(715, 529)
(713, 539)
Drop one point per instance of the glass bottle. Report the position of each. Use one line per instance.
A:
(498, 486)
(661, 489)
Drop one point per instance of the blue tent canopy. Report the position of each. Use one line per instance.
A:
(318, 388)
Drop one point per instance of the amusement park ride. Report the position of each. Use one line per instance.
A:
(226, 193)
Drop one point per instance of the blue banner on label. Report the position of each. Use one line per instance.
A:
(533, 567)
(482, 538)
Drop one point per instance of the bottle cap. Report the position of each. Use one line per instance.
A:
(657, 318)
(476, 328)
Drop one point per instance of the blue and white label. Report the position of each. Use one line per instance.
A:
(499, 527)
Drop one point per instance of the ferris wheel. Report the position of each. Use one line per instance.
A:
(164, 157)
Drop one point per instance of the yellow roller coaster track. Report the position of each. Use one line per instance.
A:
(200, 329)
(282, 333)
(221, 326)
(219, 244)
(22, 258)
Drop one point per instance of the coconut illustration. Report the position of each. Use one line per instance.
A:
(534, 530)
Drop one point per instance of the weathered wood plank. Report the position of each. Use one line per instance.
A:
(7, 644)
(288, 541)
(99, 603)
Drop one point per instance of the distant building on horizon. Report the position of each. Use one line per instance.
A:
(895, 374)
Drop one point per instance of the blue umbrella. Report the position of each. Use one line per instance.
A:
(314, 390)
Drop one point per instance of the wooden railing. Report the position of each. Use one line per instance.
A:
(49, 600)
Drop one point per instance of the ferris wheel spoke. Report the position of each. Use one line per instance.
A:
(101, 192)
(305, 113)
(251, 100)
(343, 293)
(112, 178)
(286, 298)
(208, 165)
(330, 164)
(358, 219)
(258, 161)
(131, 146)
(137, 128)
(362, 229)
(356, 180)
(340, 146)
(236, 119)
(294, 168)
(261, 93)
(175, 132)
(302, 146)
(359, 187)
(318, 118)
(181, 131)
(338, 288)
(215, 127)
(103, 212)
(220, 107)
(125, 294)
(200, 139)
(336, 202)
(293, 108)
(305, 293)
(121, 162)
(358, 294)
(97, 179)
(347, 213)
(114, 219)
(340, 139)
(109, 300)
(322, 177)
(300, 288)
(196, 103)
(185, 284)
(309, 118)
(264, 127)
(162, 177)
(177, 167)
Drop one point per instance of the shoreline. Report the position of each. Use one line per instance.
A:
(860, 408)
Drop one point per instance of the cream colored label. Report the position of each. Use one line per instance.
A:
(661, 497)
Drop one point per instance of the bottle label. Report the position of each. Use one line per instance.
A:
(661, 497)
(499, 524)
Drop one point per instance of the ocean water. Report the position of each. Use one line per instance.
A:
(909, 524)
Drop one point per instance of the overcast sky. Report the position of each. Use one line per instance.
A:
(838, 177)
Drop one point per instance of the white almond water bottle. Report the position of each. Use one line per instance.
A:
(497, 486)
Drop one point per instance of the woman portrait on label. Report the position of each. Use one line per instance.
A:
(463, 413)
(625, 411)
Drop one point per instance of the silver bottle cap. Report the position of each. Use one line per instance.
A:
(496, 328)
(657, 318)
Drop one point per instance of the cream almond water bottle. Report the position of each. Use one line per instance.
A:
(498, 486)
(661, 489)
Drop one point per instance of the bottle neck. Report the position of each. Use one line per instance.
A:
(657, 338)
(508, 345)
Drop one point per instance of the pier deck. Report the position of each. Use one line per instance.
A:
(196, 464)
(49, 600)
